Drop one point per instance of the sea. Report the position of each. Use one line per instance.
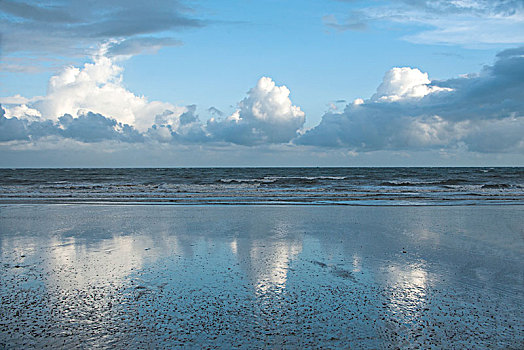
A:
(265, 186)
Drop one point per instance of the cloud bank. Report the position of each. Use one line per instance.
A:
(92, 98)
(481, 112)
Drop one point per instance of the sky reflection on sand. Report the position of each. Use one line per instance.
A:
(266, 264)
(260, 276)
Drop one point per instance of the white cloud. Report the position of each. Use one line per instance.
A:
(265, 115)
(94, 96)
(404, 83)
(23, 111)
(483, 112)
(96, 87)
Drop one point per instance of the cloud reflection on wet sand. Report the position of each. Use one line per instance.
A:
(257, 276)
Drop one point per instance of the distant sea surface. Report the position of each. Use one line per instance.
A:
(300, 186)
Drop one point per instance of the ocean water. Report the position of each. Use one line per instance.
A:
(319, 186)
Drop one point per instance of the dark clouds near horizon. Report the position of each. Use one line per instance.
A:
(484, 112)
(481, 112)
(89, 127)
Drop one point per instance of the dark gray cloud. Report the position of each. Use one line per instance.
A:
(11, 128)
(484, 112)
(35, 12)
(72, 27)
(92, 127)
(496, 136)
(89, 127)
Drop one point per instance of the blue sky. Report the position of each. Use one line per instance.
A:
(199, 83)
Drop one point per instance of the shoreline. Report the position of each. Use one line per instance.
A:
(263, 204)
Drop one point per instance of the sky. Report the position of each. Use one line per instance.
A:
(261, 83)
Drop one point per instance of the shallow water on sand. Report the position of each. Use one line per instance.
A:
(261, 276)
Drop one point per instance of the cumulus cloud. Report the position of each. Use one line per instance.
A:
(483, 112)
(266, 115)
(96, 87)
(465, 22)
(170, 127)
(90, 104)
(403, 83)
(92, 100)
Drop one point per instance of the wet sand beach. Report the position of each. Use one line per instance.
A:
(226, 276)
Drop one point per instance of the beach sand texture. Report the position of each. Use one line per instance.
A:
(154, 276)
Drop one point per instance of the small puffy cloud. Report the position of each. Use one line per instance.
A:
(170, 127)
(266, 115)
(484, 112)
(405, 83)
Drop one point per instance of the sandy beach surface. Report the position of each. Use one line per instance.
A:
(157, 276)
